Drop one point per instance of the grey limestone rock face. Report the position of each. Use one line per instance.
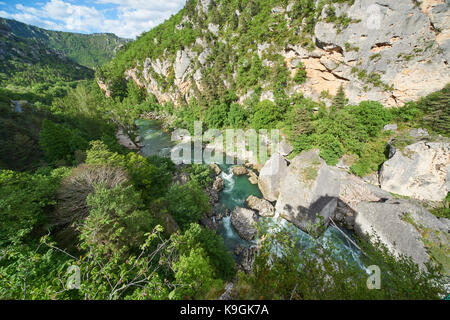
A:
(420, 170)
(273, 171)
(244, 221)
(182, 63)
(386, 220)
(396, 40)
(284, 148)
(309, 187)
(264, 207)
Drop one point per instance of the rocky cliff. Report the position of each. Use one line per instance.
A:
(388, 51)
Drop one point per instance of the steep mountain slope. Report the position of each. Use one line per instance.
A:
(388, 51)
(87, 50)
(24, 62)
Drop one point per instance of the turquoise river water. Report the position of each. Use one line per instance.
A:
(237, 190)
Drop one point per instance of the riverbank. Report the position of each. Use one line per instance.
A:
(230, 190)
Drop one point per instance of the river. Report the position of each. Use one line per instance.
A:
(237, 190)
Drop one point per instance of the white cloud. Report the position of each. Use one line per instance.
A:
(132, 16)
(136, 16)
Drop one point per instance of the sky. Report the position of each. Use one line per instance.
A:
(125, 18)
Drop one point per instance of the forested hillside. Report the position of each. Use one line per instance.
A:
(91, 50)
(25, 62)
(390, 52)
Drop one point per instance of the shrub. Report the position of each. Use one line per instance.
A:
(116, 219)
(201, 175)
(373, 116)
(195, 275)
(266, 115)
(25, 199)
(237, 117)
(72, 195)
(216, 116)
(60, 142)
(187, 203)
(436, 111)
(300, 76)
(213, 245)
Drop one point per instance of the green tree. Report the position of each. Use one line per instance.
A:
(187, 203)
(237, 117)
(116, 220)
(194, 275)
(340, 101)
(266, 115)
(212, 243)
(60, 142)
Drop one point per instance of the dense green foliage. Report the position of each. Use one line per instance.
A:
(59, 142)
(436, 111)
(117, 229)
(33, 62)
(187, 203)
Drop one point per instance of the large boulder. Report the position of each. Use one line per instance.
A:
(239, 170)
(219, 184)
(270, 176)
(395, 222)
(309, 187)
(284, 148)
(214, 167)
(244, 221)
(252, 177)
(372, 211)
(264, 207)
(354, 190)
(421, 171)
(181, 65)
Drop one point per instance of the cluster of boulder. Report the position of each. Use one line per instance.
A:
(307, 192)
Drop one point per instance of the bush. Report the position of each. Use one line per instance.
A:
(373, 116)
(344, 130)
(72, 195)
(300, 76)
(331, 149)
(216, 116)
(151, 176)
(60, 142)
(211, 243)
(237, 117)
(25, 200)
(116, 219)
(201, 175)
(195, 275)
(187, 203)
(436, 111)
(266, 115)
